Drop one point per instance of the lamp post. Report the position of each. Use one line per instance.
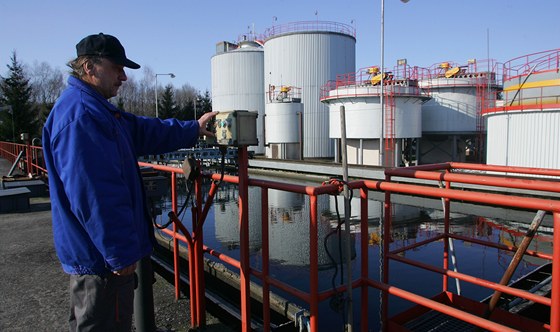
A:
(382, 88)
(195, 104)
(168, 74)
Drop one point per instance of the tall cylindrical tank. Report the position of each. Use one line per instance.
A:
(523, 131)
(307, 54)
(452, 124)
(238, 81)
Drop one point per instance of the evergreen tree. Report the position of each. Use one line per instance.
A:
(15, 93)
(205, 104)
(167, 106)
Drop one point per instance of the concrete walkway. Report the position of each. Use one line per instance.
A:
(34, 289)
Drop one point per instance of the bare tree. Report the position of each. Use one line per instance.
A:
(47, 83)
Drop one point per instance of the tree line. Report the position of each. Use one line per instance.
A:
(28, 93)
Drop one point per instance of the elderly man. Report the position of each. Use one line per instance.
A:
(100, 221)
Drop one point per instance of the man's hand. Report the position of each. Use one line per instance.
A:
(126, 271)
(203, 121)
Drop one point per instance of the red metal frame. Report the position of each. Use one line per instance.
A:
(445, 302)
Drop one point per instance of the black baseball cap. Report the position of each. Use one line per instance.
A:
(105, 46)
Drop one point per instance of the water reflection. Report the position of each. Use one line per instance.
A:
(289, 216)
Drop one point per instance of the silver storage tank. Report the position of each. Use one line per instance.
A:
(238, 81)
(523, 130)
(307, 54)
(452, 125)
(283, 117)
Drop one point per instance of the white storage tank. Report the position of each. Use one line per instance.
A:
(360, 93)
(283, 119)
(452, 125)
(524, 130)
(307, 54)
(238, 81)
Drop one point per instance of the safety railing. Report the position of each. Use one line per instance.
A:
(534, 62)
(443, 177)
(309, 26)
(432, 172)
(402, 80)
(30, 157)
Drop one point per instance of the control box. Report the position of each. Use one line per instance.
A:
(234, 128)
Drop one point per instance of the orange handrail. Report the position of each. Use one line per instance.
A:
(448, 172)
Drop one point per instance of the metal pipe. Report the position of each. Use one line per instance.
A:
(144, 319)
(265, 259)
(445, 309)
(474, 280)
(347, 236)
(313, 265)
(364, 236)
(245, 278)
(516, 259)
(555, 291)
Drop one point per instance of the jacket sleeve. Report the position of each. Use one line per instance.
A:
(89, 162)
(154, 136)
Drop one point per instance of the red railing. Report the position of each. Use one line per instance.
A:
(32, 159)
(535, 62)
(446, 302)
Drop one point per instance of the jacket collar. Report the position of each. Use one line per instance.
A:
(85, 87)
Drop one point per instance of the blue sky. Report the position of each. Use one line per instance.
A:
(180, 36)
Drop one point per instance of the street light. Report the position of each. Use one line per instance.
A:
(168, 74)
(382, 88)
(195, 103)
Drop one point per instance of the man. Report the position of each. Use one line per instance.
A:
(100, 222)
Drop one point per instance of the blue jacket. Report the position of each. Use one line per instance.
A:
(100, 223)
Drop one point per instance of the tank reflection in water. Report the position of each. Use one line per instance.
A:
(289, 246)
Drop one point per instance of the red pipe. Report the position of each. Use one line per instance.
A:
(245, 271)
(445, 309)
(508, 169)
(199, 255)
(555, 291)
(487, 198)
(506, 182)
(313, 265)
(364, 232)
(477, 281)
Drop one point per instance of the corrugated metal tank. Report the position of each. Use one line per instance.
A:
(283, 117)
(281, 122)
(307, 54)
(525, 130)
(360, 93)
(452, 125)
(456, 100)
(238, 81)
(530, 138)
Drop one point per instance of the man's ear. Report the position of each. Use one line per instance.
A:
(89, 67)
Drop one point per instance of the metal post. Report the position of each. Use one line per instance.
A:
(555, 291)
(245, 273)
(157, 115)
(144, 297)
(381, 89)
(348, 246)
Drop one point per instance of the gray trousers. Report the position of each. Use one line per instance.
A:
(101, 303)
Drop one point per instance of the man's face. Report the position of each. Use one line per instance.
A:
(106, 77)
